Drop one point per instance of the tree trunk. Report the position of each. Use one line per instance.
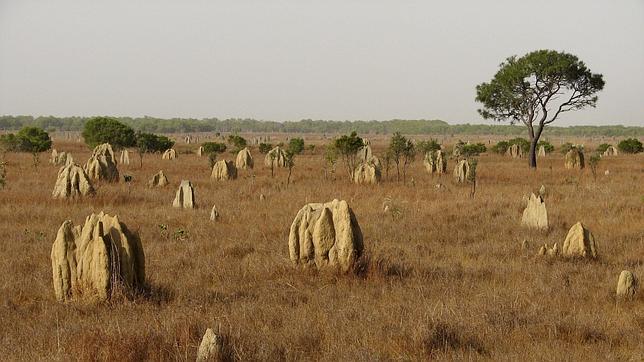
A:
(533, 152)
(534, 139)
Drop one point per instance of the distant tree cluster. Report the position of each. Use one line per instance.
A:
(189, 125)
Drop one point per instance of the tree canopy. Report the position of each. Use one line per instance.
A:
(100, 130)
(151, 143)
(296, 145)
(29, 139)
(536, 89)
(347, 147)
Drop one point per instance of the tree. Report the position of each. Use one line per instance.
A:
(348, 147)
(296, 145)
(402, 151)
(630, 145)
(100, 130)
(238, 142)
(151, 143)
(535, 89)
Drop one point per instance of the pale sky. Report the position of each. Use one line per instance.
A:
(289, 60)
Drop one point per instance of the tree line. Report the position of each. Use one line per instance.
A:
(238, 125)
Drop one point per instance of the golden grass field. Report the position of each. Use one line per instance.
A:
(444, 277)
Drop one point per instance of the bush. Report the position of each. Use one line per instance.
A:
(238, 142)
(566, 147)
(546, 145)
(100, 130)
(602, 148)
(213, 147)
(33, 140)
(501, 147)
(424, 147)
(29, 139)
(9, 142)
(630, 145)
(150, 143)
(523, 143)
(265, 147)
(474, 149)
(296, 145)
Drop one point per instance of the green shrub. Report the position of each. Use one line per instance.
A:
(548, 147)
(566, 147)
(630, 145)
(238, 142)
(424, 147)
(265, 147)
(602, 148)
(474, 149)
(213, 147)
(296, 145)
(523, 143)
(100, 130)
(501, 147)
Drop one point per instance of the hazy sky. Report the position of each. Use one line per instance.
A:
(288, 60)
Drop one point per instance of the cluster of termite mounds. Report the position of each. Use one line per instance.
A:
(578, 244)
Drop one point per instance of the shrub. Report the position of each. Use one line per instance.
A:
(501, 147)
(100, 130)
(474, 149)
(296, 145)
(9, 142)
(29, 139)
(238, 142)
(265, 147)
(630, 145)
(213, 147)
(548, 147)
(425, 147)
(150, 143)
(566, 147)
(522, 142)
(602, 148)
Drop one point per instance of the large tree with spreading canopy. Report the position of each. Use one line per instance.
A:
(535, 89)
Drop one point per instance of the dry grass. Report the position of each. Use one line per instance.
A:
(444, 277)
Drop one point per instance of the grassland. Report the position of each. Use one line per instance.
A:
(444, 276)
